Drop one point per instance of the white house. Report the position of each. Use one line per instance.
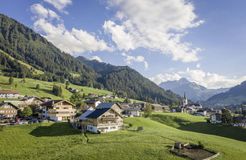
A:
(58, 110)
(105, 118)
(132, 112)
(9, 94)
(215, 118)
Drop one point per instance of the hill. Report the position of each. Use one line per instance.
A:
(235, 96)
(23, 44)
(127, 82)
(24, 52)
(192, 90)
(29, 88)
(60, 141)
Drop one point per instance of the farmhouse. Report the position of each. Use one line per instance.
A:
(32, 101)
(132, 112)
(58, 110)
(9, 94)
(92, 103)
(8, 110)
(105, 118)
(216, 118)
(159, 108)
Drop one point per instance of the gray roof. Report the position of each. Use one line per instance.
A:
(84, 115)
(105, 105)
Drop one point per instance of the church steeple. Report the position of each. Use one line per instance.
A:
(185, 100)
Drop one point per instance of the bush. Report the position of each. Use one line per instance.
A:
(1, 128)
(140, 128)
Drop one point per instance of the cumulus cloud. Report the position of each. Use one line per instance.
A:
(59, 4)
(207, 79)
(41, 12)
(157, 25)
(96, 58)
(130, 59)
(72, 41)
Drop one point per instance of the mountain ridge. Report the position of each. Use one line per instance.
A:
(193, 91)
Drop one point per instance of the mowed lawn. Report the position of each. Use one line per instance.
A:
(59, 141)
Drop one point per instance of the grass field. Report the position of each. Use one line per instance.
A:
(59, 141)
(28, 88)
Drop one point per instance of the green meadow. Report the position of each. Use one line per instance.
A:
(29, 88)
(59, 141)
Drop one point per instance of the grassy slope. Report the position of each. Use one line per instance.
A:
(28, 88)
(58, 141)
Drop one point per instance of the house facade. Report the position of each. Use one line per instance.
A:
(9, 94)
(216, 118)
(58, 110)
(105, 118)
(32, 101)
(132, 112)
(8, 110)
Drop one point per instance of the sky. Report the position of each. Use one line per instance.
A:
(203, 41)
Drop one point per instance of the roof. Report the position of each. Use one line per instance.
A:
(3, 103)
(105, 105)
(8, 92)
(97, 113)
(52, 102)
(86, 113)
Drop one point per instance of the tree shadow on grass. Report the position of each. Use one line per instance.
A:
(226, 131)
(42, 89)
(56, 129)
(236, 133)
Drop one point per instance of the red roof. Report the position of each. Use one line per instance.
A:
(8, 92)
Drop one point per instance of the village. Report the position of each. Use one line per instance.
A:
(99, 114)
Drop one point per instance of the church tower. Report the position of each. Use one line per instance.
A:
(185, 100)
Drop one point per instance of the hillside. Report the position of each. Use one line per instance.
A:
(56, 140)
(235, 96)
(24, 52)
(23, 44)
(29, 88)
(128, 82)
(192, 90)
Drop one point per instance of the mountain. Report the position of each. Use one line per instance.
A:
(235, 96)
(24, 53)
(192, 90)
(21, 47)
(129, 82)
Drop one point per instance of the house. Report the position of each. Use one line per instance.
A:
(105, 118)
(132, 112)
(92, 103)
(58, 110)
(216, 118)
(201, 112)
(9, 94)
(160, 108)
(239, 121)
(32, 101)
(8, 110)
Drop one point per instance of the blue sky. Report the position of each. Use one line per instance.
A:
(203, 41)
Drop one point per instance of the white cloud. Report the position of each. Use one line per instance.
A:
(207, 79)
(165, 77)
(59, 4)
(96, 58)
(198, 65)
(156, 25)
(74, 41)
(140, 59)
(41, 12)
